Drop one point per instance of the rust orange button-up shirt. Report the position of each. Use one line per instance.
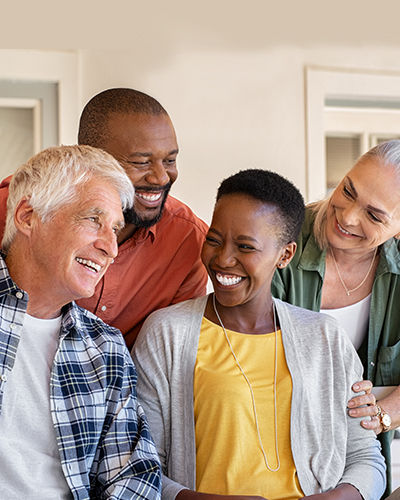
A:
(154, 268)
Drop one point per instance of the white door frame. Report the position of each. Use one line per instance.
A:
(333, 83)
(35, 106)
(49, 66)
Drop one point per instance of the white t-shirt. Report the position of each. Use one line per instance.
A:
(30, 465)
(353, 319)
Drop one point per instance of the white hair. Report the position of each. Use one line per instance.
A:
(52, 178)
(387, 154)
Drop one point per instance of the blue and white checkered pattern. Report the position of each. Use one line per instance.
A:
(102, 433)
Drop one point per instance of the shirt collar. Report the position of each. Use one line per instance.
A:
(71, 312)
(73, 321)
(389, 260)
(7, 285)
(313, 258)
(143, 233)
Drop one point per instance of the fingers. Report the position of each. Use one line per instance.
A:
(365, 406)
(369, 410)
(366, 401)
(373, 424)
(363, 385)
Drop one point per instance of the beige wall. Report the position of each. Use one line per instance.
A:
(232, 109)
(48, 66)
(230, 73)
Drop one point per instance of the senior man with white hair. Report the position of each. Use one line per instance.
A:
(70, 424)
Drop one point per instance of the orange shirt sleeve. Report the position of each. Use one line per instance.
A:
(3, 204)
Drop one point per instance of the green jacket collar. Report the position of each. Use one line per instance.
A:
(313, 258)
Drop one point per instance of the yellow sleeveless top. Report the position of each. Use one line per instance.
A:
(229, 459)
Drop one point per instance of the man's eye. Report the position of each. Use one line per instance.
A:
(243, 246)
(211, 241)
(170, 162)
(94, 219)
(139, 163)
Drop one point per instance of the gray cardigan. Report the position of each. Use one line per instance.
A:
(328, 446)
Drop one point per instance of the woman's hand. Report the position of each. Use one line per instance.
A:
(390, 404)
(365, 406)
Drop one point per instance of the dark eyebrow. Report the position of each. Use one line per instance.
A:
(351, 185)
(241, 237)
(147, 155)
(370, 207)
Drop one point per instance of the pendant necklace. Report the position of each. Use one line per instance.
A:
(365, 277)
(251, 388)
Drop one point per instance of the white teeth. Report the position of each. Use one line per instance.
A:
(149, 196)
(228, 280)
(343, 230)
(89, 264)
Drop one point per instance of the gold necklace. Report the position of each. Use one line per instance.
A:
(365, 277)
(251, 389)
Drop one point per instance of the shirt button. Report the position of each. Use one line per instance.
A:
(103, 308)
(12, 326)
(3, 377)
(19, 295)
(372, 363)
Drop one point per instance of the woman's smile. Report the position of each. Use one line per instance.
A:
(242, 250)
(228, 280)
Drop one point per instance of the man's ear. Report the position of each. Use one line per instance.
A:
(287, 254)
(23, 216)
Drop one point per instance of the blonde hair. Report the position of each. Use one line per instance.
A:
(52, 178)
(386, 154)
(320, 209)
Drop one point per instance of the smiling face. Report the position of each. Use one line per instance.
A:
(70, 253)
(242, 250)
(364, 210)
(146, 147)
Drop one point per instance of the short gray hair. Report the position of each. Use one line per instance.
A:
(51, 180)
(387, 154)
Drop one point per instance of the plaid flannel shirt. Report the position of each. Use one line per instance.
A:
(102, 433)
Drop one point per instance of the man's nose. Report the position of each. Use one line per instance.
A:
(107, 243)
(158, 175)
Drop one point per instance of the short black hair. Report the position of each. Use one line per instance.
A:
(272, 189)
(94, 118)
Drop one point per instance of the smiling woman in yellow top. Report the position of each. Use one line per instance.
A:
(231, 382)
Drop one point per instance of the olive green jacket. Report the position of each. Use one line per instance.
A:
(300, 283)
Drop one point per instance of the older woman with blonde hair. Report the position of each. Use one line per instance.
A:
(347, 265)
